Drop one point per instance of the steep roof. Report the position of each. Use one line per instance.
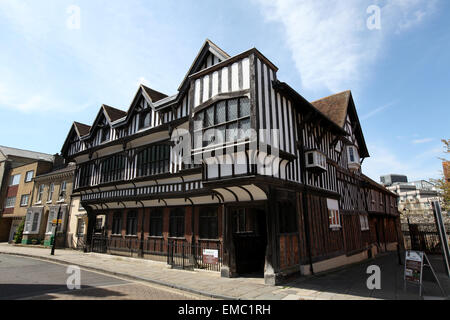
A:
(82, 128)
(8, 151)
(154, 95)
(114, 113)
(334, 106)
(208, 47)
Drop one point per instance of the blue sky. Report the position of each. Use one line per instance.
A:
(52, 74)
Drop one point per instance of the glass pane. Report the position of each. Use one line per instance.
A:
(198, 121)
(232, 109)
(220, 134)
(244, 110)
(220, 112)
(208, 137)
(244, 129)
(209, 117)
(232, 132)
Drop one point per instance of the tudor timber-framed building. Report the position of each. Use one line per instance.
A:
(308, 209)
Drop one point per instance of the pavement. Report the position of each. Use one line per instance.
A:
(348, 283)
(23, 278)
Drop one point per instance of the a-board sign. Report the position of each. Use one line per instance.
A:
(210, 256)
(414, 266)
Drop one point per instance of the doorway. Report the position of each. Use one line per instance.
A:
(250, 240)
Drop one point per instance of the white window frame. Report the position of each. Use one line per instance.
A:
(9, 199)
(32, 176)
(40, 193)
(53, 214)
(364, 221)
(334, 216)
(62, 191)
(11, 180)
(21, 200)
(29, 223)
(51, 191)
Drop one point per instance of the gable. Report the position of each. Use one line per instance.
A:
(209, 55)
(340, 108)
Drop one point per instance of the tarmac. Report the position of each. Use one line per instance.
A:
(348, 283)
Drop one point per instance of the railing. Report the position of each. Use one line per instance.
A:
(178, 253)
(423, 237)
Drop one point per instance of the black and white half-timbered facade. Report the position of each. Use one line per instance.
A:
(237, 172)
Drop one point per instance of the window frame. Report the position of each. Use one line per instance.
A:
(203, 128)
(26, 176)
(334, 216)
(364, 222)
(62, 191)
(21, 200)
(80, 223)
(51, 191)
(112, 169)
(117, 223)
(142, 116)
(8, 199)
(132, 222)
(40, 193)
(177, 221)
(156, 222)
(12, 178)
(208, 223)
(153, 160)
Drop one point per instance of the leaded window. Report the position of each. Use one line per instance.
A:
(85, 175)
(177, 222)
(113, 169)
(208, 223)
(153, 160)
(145, 119)
(224, 121)
(117, 223)
(132, 223)
(156, 222)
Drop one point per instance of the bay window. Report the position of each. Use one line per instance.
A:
(224, 121)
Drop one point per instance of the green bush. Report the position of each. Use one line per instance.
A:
(19, 232)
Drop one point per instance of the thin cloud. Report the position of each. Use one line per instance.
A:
(421, 141)
(383, 161)
(376, 111)
(330, 43)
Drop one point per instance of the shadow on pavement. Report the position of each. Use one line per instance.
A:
(45, 291)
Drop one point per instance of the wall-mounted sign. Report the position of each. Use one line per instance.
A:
(210, 256)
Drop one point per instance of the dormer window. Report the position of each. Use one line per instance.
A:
(145, 119)
(353, 158)
(316, 161)
(104, 134)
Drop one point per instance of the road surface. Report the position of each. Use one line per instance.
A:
(27, 278)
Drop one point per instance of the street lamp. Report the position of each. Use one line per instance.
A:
(61, 196)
